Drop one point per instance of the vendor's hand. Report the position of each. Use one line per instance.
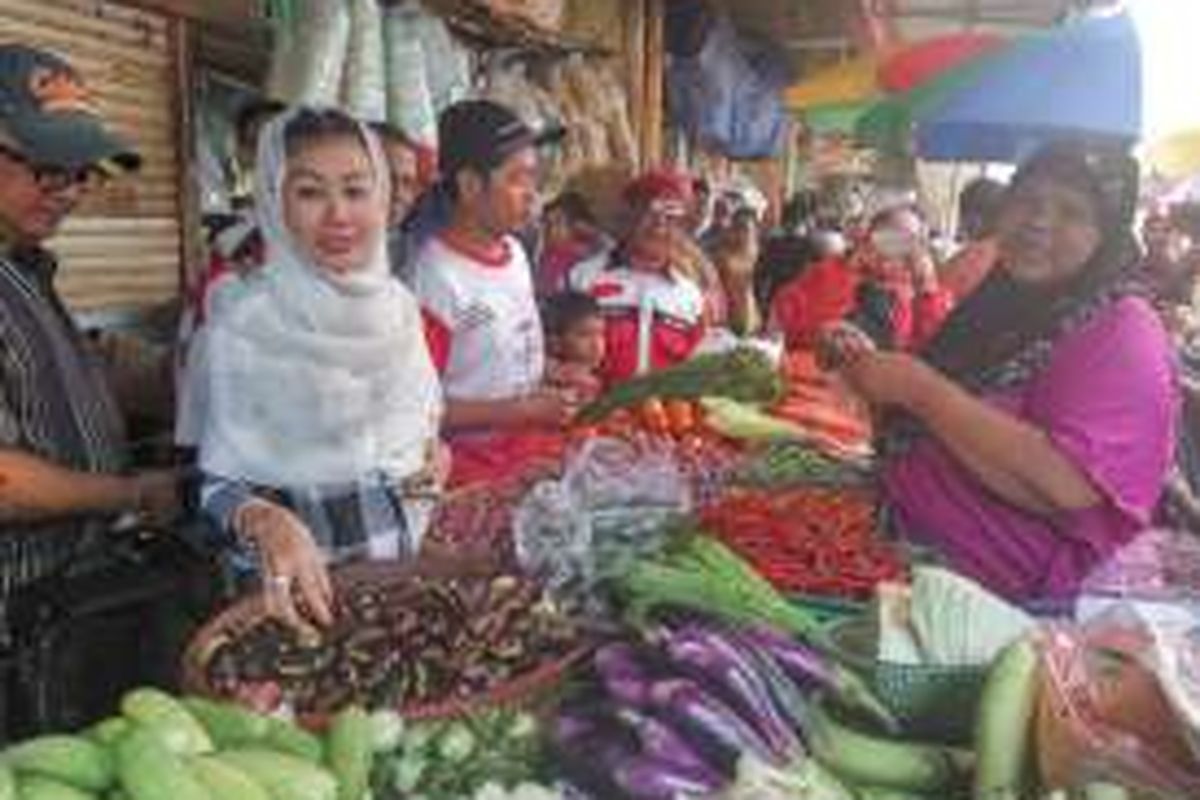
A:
(292, 564)
(887, 378)
(155, 494)
(552, 408)
(842, 344)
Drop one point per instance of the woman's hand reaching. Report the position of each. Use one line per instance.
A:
(296, 583)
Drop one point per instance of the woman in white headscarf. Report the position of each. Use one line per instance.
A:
(324, 405)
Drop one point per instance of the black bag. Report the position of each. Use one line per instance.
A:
(82, 638)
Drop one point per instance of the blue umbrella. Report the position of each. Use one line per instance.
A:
(1118, 77)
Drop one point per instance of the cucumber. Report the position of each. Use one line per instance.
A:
(1004, 726)
(149, 770)
(8, 783)
(225, 781)
(36, 787)
(73, 760)
(161, 712)
(349, 752)
(286, 738)
(108, 732)
(284, 777)
(228, 726)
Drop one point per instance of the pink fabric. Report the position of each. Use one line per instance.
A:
(1109, 401)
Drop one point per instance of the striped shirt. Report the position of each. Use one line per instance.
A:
(54, 403)
(346, 521)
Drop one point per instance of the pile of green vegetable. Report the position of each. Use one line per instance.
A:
(486, 753)
(788, 464)
(161, 748)
(745, 374)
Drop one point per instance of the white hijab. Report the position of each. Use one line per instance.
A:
(314, 378)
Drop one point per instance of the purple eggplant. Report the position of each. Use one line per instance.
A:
(646, 778)
(570, 727)
(683, 700)
(663, 743)
(623, 674)
(804, 665)
(708, 653)
(807, 667)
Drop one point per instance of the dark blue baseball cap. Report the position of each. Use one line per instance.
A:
(47, 116)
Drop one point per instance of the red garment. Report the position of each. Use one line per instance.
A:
(670, 343)
(821, 295)
(556, 262)
(827, 293)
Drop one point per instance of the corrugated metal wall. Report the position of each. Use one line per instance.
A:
(121, 249)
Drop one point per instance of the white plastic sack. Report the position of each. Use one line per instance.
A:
(447, 62)
(365, 80)
(409, 102)
(309, 56)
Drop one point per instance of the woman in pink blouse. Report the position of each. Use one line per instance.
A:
(1033, 435)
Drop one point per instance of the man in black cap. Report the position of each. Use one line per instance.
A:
(474, 280)
(62, 449)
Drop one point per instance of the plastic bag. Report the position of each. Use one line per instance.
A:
(365, 79)
(1104, 714)
(409, 101)
(1158, 573)
(610, 507)
(447, 62)
(309, 55)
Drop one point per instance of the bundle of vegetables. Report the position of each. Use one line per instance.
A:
(161, 748)
(807, 540)
(788, 464)
(684, 711)
(744, 374)
(696, 572)
(413, 643)
(493, 752)
(827, 413)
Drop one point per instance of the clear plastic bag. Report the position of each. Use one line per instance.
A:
(612, 505)
(1158, 573)
(1105, 712)
(310, 53)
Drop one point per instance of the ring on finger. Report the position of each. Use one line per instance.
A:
(281, 582)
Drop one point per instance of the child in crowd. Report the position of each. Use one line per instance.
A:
(575, 343)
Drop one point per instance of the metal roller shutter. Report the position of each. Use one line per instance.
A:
(121, 249)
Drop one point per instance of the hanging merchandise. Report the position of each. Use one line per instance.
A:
(310, 50)
(409, 102)
(447, 62)
(721, 98)
(364, 84)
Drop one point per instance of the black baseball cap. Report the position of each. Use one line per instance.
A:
(46, 114)
(480, 134)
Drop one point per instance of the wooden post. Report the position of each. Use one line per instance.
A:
(655, 75)
(634, 49)
(191, 241)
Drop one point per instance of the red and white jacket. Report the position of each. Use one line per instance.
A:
(652, 320)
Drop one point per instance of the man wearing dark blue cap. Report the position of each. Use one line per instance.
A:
(61, 439)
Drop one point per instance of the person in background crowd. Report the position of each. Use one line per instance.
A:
(787, 252)
(476, 290)
(700, 210)
(722, 206)
(655, 313)
(325, 405)
(735, 257)
(1169, 263)
(888, 285)
(570, 235)
(62, 445)
(408, 184)
(246, 127)
(978, 205)
(1032, 437)
(575, 342)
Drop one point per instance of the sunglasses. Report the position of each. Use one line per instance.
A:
(52, 178)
